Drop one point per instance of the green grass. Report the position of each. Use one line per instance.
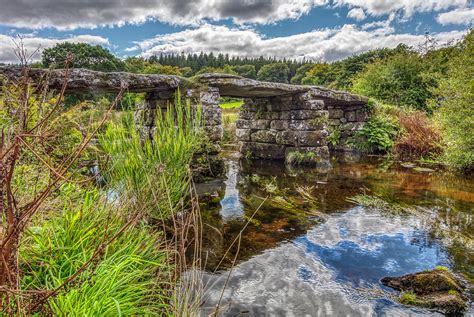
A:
(122, 280)
(155, 172)
(232, 105)
(133, 275)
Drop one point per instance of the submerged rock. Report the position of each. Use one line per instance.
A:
(423, 170)
(438, 289)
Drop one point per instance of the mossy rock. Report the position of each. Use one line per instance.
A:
(438, 289)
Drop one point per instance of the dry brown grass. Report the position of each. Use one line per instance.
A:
(419, 138)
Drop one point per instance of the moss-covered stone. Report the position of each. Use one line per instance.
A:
(438, 289)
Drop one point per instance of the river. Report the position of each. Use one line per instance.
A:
(312, 246)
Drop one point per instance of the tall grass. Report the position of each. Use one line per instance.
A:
(154, 171)
(87, 260)
(122, 280)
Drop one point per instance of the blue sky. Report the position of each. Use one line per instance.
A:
(312, 29)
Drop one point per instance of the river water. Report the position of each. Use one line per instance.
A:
(308, 249)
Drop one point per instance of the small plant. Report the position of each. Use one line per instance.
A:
(334, 136)
(441, 268)
(248, 155)
(377, 136)
(409, 298)
(301, 158)
(371, 201)
(319, 120)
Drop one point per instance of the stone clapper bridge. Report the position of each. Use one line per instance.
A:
(275, 119)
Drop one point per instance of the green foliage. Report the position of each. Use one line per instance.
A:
(155, 172)
(347, 69)
(93, 57)
(247, 71)
(378, 134)
(123, 278)
(441, 268)
(276, 72)
(301, 158)
(455, 99)
(244, 66)
(319, 74)
(409, 298)
(231, 105)
(334, 136)
(141, 66)
(217, 70)
(340, 74)
(375, 202)
(301, 73)
(399, 80)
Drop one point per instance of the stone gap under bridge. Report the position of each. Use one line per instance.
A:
(275, 120)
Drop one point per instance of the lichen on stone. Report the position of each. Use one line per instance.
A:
(437, 289)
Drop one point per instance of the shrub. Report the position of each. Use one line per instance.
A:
(456, 111)
(418, 138)
(398, 80)
(276, 72)
(377, 135)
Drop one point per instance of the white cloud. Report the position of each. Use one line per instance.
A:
(35, 45)
(68, 14)
(356, 13)
(90, 14)
(408, 7)
(458, 16)
(324, 44)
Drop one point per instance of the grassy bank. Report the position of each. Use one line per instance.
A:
(110, 244)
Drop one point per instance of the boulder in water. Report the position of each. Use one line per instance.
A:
(438, 289)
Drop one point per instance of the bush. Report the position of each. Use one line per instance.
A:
(418, 138)
(398, 80)
(276, 72)
(377, 135)
(88, 56)
(455, 97)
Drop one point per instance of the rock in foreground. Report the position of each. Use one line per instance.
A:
(437, 289)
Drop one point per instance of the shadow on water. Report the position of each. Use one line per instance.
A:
(310, 250)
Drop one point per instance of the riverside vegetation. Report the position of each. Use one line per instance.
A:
(88, 244)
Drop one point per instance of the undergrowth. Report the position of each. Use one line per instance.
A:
(124, 278)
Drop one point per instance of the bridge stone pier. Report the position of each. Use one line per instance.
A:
(275, 120)
(278, 119)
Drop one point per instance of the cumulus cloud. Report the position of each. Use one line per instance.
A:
(324, 44)
(35, 45)
(356, 13)
(408, 7)
(90, 14)
(458, 16)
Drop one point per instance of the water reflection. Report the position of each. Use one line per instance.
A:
(312, 256)
(231, 206)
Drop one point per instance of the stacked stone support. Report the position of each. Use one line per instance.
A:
(211, 112)
(346, 120)
(272, 128)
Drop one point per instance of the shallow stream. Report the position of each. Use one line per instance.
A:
(308, 249)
